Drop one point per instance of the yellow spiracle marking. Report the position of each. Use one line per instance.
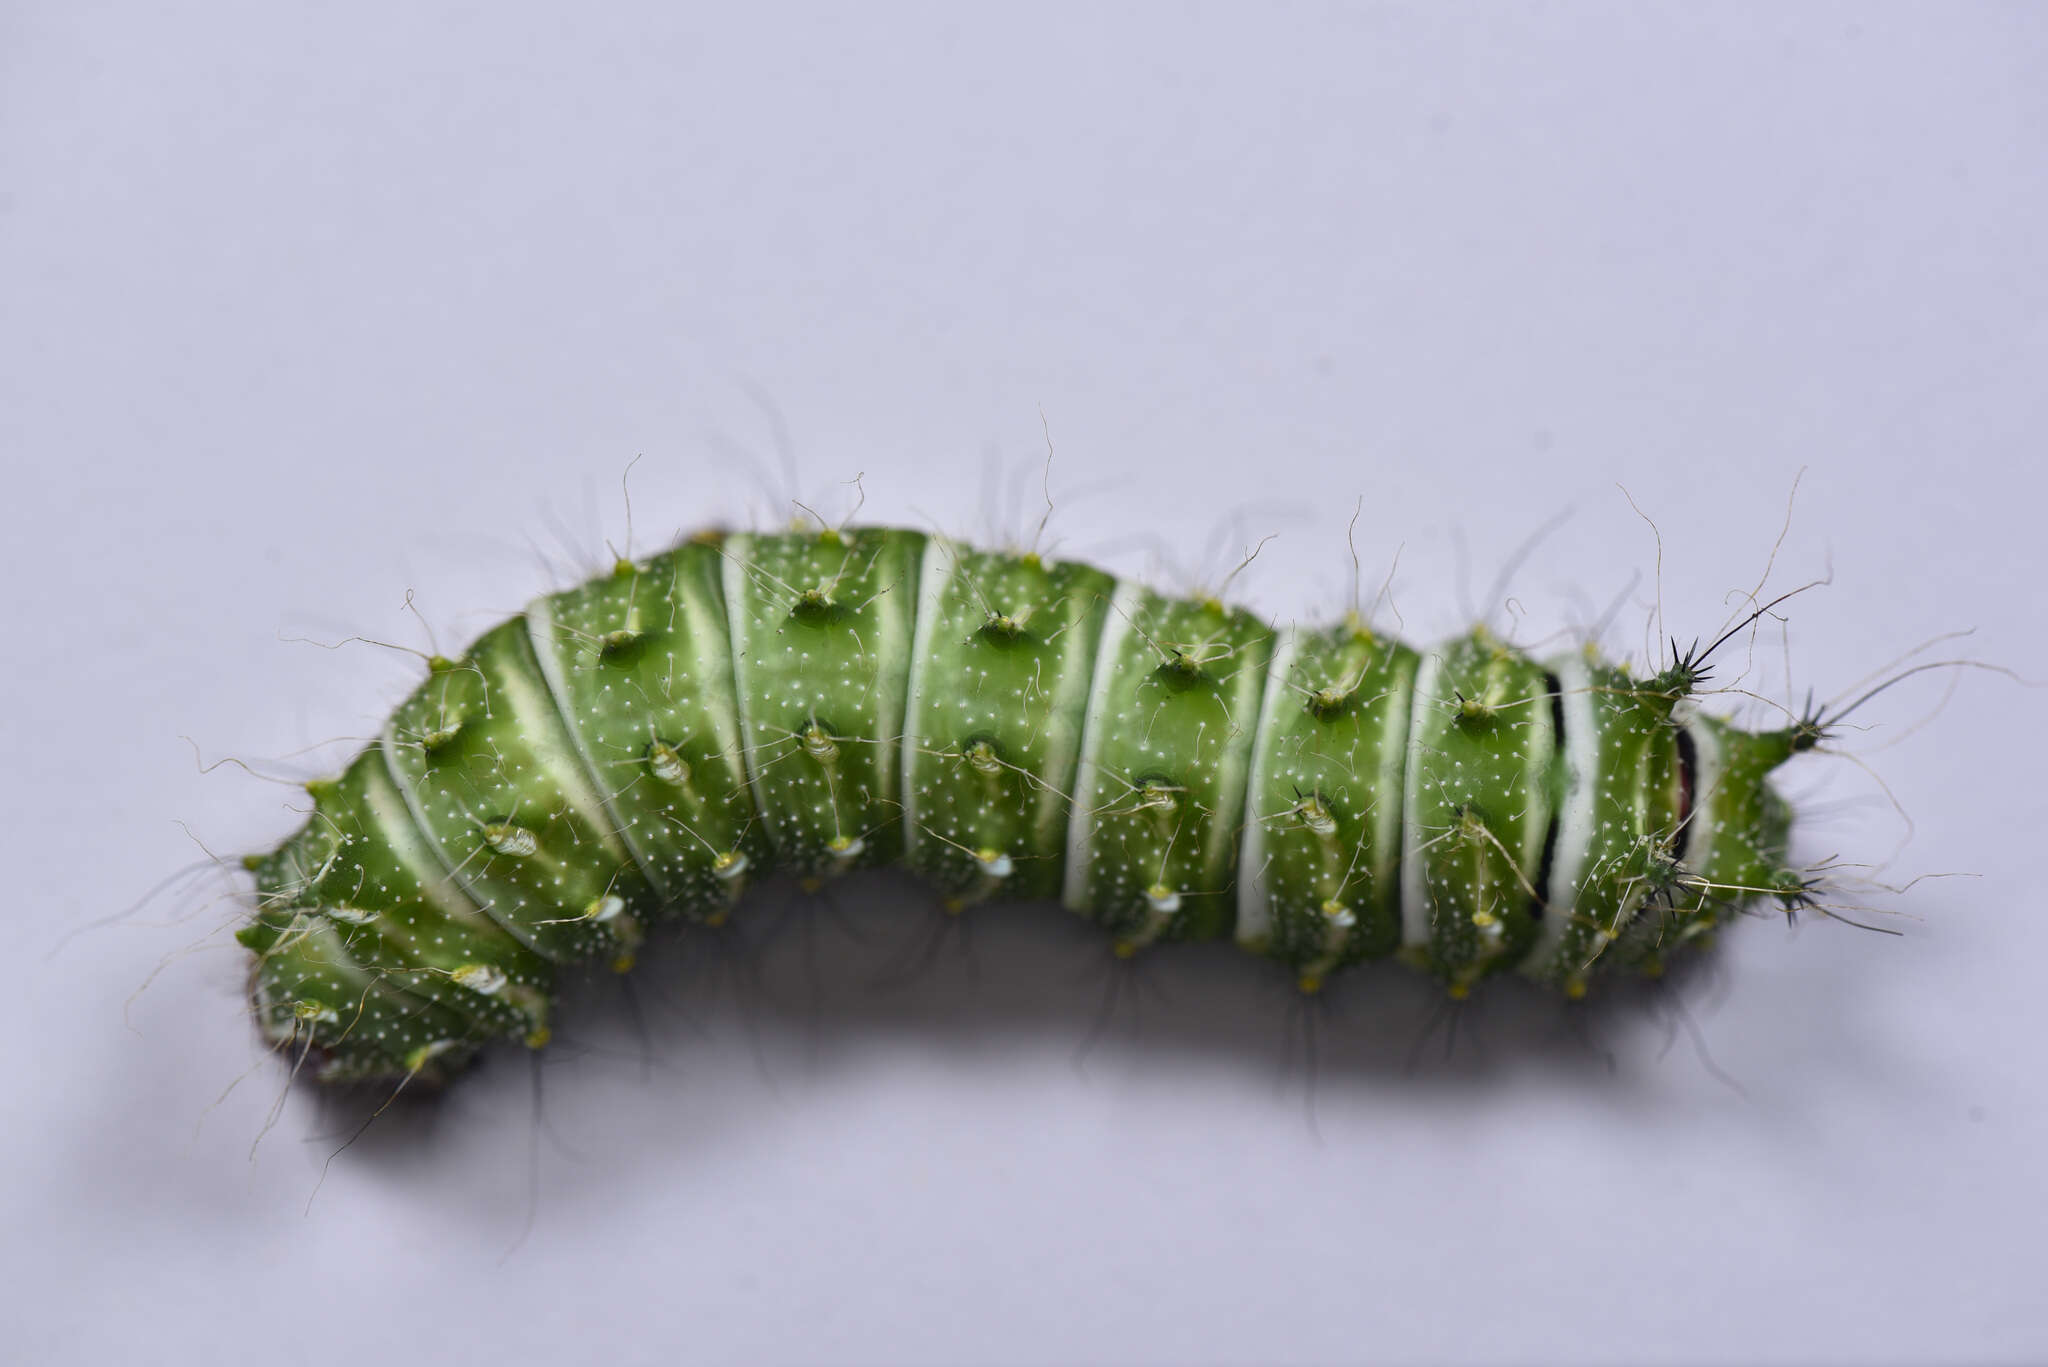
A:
(819, 745)
(506, 838)
(483, 978)
(668, 766)
(1158, 796)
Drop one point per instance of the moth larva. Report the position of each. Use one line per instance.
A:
(641, 747)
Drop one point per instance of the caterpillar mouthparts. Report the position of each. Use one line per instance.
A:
(641, 747)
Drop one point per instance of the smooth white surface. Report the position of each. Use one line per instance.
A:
(304, 307)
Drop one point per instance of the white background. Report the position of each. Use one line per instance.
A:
(305, 307)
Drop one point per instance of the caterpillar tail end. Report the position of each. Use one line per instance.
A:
(327, 1035)
(362, 972)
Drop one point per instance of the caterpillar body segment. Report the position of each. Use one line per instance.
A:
(1166, 759)
(491, 776)
(1480, 794)
(1321, 886)
(641, 747)
(1004, 655)
(641, 663)
(821, 631)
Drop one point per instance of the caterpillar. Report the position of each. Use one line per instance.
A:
(643, 747)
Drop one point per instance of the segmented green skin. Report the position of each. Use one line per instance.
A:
(641, 748)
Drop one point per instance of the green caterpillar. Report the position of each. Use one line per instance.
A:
(641, 747)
